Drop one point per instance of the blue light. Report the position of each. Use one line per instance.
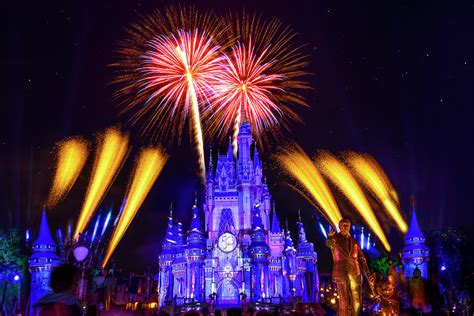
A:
(362, 238)
(27, 235)
(368, 241)
(96, 225)
(106, 222)
(443, 267)
(323, 230)
(16, 278)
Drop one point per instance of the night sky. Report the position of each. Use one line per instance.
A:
(393, 79)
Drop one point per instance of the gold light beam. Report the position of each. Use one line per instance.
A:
(71, 156)
(340, 175)
(369, 172)
(111, 152)
(313, 187)
(147, 168)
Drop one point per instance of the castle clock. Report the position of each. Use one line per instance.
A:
(227, 242)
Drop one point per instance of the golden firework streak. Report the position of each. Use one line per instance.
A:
(375, 180)
(148, 167)
(299, 166)
(196, 118)
(111, 153)
(340, 175)
(72, 155)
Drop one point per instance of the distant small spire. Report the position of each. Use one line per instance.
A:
(195, 198)
(412, 201)
(230, 152)
(299, 215)
(171, 209)
(210, 168)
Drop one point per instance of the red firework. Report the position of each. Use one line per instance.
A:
(259, 81)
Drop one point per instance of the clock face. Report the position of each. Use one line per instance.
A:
(227, 242)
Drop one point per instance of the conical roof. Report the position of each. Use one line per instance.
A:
(275, 222)
(44, 234)
(414, 230)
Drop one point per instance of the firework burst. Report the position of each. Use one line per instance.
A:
(260, 79)
(166, 66)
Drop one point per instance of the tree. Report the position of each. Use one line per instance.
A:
(12, 268)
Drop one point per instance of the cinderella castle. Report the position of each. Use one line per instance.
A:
(240, 253)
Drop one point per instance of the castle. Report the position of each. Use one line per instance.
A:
(239, 255)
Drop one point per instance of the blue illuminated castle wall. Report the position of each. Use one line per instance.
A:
(240, 250)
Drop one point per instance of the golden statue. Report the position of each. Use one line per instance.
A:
(348, 260)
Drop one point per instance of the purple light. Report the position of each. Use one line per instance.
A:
(27, 235)
(368, 241)
(443, 267)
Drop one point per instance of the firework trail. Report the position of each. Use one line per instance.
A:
(301, 168)
(375, 180)
(340, 175)
(111, 153)
(179, 71)
(165, 69)
(72, 155)
(148, 167)
(260, 79)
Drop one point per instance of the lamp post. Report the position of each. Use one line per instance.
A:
(80, 256)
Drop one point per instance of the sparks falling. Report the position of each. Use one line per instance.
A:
(340, 175)
(148, 167)
(72, 155)
(312, 185)
(368, 171)
(111, 152)
(260, 79)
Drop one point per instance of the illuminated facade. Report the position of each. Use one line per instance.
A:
(241, 254)
(41, 262)
(415, 253)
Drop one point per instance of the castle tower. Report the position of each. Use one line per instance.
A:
(289, 266)
(41, 262)
(259, 252)
(195, 254)
(308, 277)
(245, 174)
(166, 258)
(415, 253)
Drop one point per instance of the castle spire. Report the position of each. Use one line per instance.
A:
(414, 230)
(301, 231)
(210, 172)
(289, 245)
(275, 222)
(44, 234)
(170, 237)
(196, 221)
(230, 153)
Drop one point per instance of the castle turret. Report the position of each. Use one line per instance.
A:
(41, 262)
(415, 253)
(266, 205)
(209, 205)
(195, 254)
(308, 285)
(259, 252)
(166, 258)
(289, 265)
